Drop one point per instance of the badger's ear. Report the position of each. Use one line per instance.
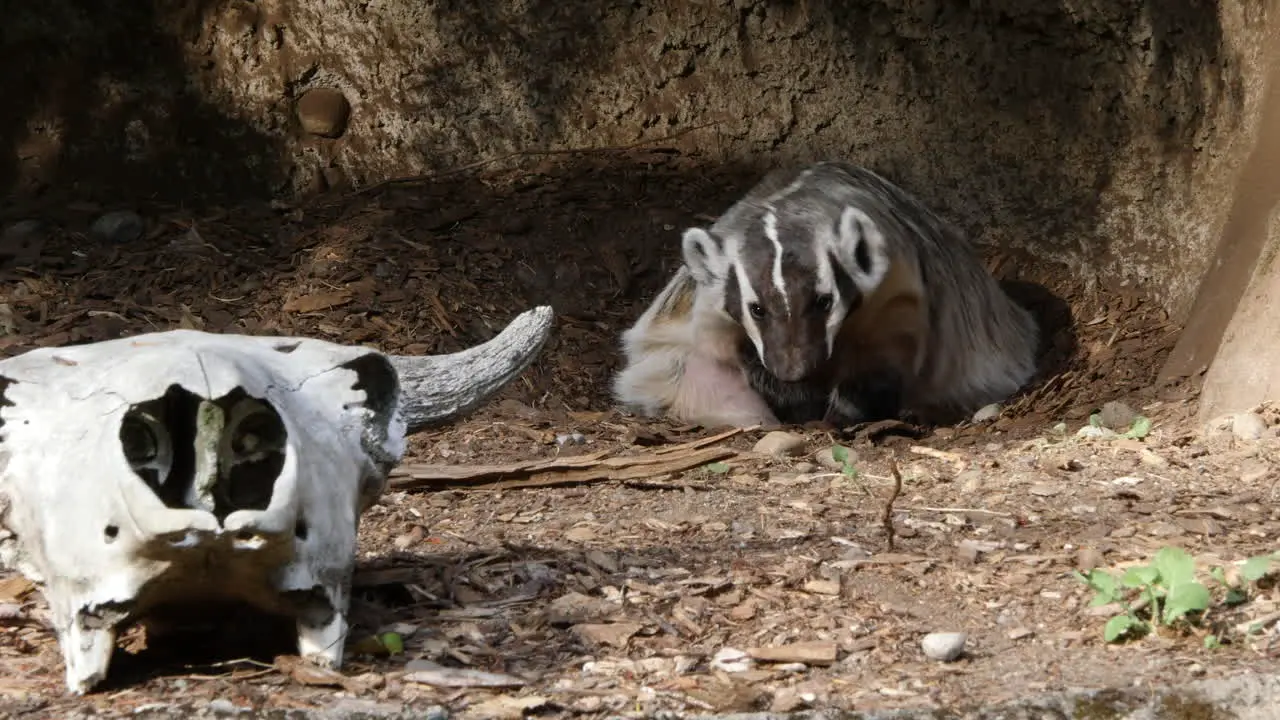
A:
(704, 255)
(862, 248)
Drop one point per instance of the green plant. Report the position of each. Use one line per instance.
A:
(1138, 429)
(1170, 589)
(841, 455)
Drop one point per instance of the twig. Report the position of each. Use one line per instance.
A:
(995, 513)
(887, 519)
(428, 177)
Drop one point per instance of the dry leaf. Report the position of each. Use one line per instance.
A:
(15, 588)
(307, 673)
(505, 707)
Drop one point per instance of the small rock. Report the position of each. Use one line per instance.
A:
(1116, 416)
(1044, 489)
(944, 646)
(1092, 431)
(1020, 633)
(731, 660)
(805, 467)
(970, 482)
(323, 112)
(826, 458)
(1088, 558)
(786, 700)
(23, 241)
(1248, 426)
(222, 706)
(780, 443)
(986, 413)
(1149, 458)
(1254, 471)
(118, 226)
(573, 438)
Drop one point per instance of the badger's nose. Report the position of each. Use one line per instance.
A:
(796, 363)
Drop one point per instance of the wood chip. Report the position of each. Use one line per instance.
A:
(425, 672)
(818, 652)
(316, 302)
(823, 587)
(615, 634)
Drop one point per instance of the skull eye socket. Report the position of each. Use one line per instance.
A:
(139, 441)
(147, 446)
(254, 428)
(144, 440)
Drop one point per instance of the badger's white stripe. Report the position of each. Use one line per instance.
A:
(827, 284)
(771, 232)
(749, 296)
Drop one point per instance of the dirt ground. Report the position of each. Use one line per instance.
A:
(624, 596)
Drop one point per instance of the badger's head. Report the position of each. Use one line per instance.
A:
(790, 276)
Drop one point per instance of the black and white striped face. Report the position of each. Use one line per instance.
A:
(790, 279)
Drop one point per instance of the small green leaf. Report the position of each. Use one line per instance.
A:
(1141, 426)
(718, 468)
(1175, 565)
(840, 453)
(1095, 420)
(1255, 567)
(1116, 627)
(1235, 596)
(392, 642)
(1211, 642)
(1217, 573)
(1138, 577)
(1184, 598)
(1102, 581)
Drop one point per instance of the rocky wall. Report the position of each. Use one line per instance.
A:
(1107, 134)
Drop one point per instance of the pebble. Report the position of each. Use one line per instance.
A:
(222, 706)
(323, 112)
(827, 459)
(1116, 416)
(118, 226)
(944, 646)
(970, 481)
(986, 413)
(731, 660)
(780, 443)
(573, 438)
(23, 240)
(1248, 426)
(1093, 431)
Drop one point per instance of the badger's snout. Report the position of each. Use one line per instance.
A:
(794, 363)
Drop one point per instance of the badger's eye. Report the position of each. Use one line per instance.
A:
(756, 310)
(824, 303)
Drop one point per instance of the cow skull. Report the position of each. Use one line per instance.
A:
(182, 467)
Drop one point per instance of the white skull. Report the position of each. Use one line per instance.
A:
(183, 467)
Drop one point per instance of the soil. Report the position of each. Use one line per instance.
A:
(614, 596)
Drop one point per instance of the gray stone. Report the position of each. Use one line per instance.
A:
(118, 226)
(323, 112)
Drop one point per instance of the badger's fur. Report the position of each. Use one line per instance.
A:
(848, 300)
(683, 361)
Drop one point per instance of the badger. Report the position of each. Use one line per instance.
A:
(826, 293)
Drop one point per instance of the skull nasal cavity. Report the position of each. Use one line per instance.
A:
(220, 455)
